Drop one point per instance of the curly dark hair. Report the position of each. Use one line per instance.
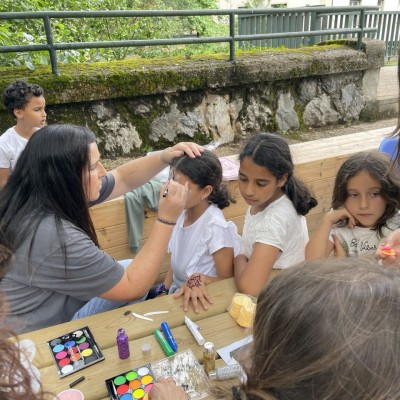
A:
(18, 94)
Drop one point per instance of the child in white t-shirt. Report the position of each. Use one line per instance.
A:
(25, 102)
(203, 244)
(364, 208)
(275, 231)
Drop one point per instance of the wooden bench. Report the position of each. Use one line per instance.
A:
(316, 163)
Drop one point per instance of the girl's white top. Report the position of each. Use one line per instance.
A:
(280, 226)
(192, 247)
(363, 242)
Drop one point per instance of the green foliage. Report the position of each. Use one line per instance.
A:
(23, 32)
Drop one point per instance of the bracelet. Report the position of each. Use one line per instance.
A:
(165, 221)
(161, 289)
(162, 158)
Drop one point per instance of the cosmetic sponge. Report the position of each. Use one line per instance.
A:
(243, 309)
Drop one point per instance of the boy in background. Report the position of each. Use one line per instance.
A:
(26, 103)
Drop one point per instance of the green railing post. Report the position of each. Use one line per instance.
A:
(313, 27)
(232, 36)
(361, 25)
(50, 42)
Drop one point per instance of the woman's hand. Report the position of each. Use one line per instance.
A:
(171, 206)
(389, 250)
(166, 389)
(194, 289)
(191, 149)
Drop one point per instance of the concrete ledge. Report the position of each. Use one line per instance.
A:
(129, 78)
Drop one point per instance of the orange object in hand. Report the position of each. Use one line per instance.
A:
(386, 250)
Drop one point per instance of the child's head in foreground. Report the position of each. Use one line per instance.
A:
(328, 329)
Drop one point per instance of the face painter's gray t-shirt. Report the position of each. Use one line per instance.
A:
(41, 291)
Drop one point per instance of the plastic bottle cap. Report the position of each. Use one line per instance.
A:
(209, 346)
(146, 349)
(212, 375)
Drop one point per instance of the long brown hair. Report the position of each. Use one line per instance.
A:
(15, 380)
(327, 329)
(380, 168)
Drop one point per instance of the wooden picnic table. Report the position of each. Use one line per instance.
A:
(216, 325)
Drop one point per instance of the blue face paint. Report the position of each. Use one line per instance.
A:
(170, 339)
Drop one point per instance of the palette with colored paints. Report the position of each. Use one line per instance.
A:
(74, 351)
(131, 385)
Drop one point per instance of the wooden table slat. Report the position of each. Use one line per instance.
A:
(216, 326)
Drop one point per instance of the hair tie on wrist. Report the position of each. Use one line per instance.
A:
(165, 221)
(162, 158)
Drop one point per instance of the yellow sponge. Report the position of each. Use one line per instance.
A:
(243, 309)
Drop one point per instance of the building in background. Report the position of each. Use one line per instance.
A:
(384, 5)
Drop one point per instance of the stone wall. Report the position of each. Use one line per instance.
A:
(148, 105)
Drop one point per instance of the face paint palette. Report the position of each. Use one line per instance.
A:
(131, 385)
(74, 351)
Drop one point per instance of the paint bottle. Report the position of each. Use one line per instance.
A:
(227, 372)
(209, 357)
(123, 344)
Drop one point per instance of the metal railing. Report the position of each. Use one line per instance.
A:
(388, 29)
(52, 47)
(386, 25)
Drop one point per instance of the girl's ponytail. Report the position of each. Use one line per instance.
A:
(221, 196)
(300, 195)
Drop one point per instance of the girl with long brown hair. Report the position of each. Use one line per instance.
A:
(324, 330)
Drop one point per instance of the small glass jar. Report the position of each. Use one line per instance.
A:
(123, 344)
(209, 357)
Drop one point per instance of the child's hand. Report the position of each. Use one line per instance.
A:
(190, 148)
(388, 251)
(194, 289)
(335, 216)
(166, 389)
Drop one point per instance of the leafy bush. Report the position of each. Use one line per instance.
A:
(23, 32)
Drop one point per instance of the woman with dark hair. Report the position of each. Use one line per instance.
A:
(45, 221)
(325, 330)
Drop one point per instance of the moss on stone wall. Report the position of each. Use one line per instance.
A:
(138, 77)
(124, 85)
